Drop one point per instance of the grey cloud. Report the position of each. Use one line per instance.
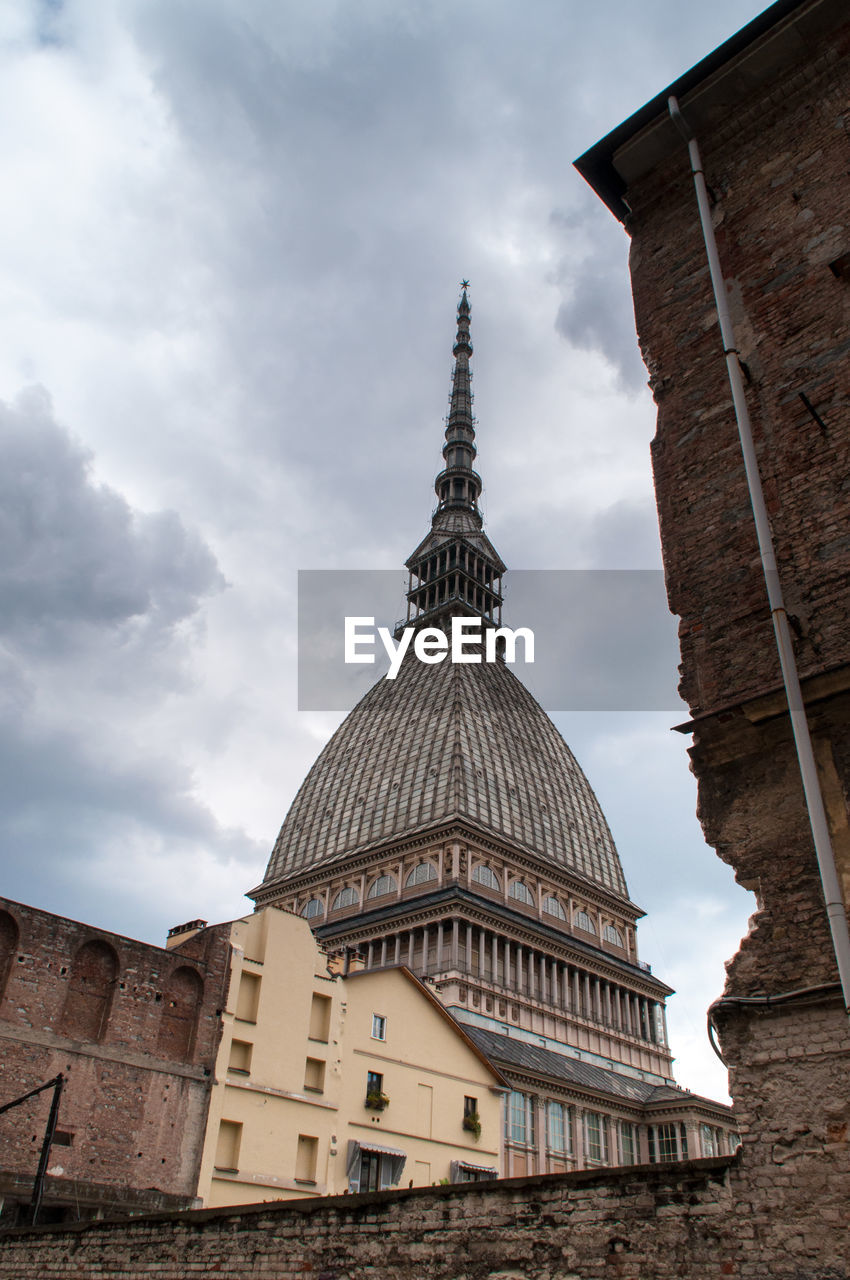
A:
(624, 536)
(73, 552)
(90, 827)
(597, 313)
(96, 598)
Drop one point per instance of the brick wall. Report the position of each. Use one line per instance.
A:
(777, 159)
(134, 1029)
(778, 167)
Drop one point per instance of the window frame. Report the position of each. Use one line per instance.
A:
(413, 878)
(375, 892)
(519, 891)
(559, 914)
(519, 1119)
(558, 1143)
(596, 1126)
(579, 916)
(493, 883)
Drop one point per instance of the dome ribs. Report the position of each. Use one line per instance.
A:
(441, 742)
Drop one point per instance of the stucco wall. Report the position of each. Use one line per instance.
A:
(300, 1101)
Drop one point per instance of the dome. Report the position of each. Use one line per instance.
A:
(448, 742)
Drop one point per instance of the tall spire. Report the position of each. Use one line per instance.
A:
(458, 485)
(456, 568)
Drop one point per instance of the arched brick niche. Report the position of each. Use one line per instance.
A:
(181, 1001)
(91, 986)
(9, 935)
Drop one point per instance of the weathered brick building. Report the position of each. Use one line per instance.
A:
(134, 1030)
(771, 113)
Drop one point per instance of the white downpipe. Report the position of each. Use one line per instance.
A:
(808, 770)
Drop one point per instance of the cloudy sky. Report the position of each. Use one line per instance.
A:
(232, 235)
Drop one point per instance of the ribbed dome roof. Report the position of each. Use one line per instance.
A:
(447, 741)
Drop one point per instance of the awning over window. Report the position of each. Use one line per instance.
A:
(461, 1169)
(392, 1163)
(382, 1151)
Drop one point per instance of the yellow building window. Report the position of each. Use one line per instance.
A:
(240, 1057)
(227, 1148)
(248, 1000)
(314, 1075)
(306, 1158)
(320, 1018)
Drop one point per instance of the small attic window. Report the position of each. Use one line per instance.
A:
(582, 920)
(383, 885)
(421, 874)
(552, 907)
(483, 875)
(521, 892)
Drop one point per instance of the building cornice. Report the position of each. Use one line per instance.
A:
(447, 833)
(755, 55)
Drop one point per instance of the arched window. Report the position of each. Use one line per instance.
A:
(483, 875)
(552, 907)
(521, 892)
(9, 935)
(181, 1001)
(315, 907)
(582, 920)
(383, 885)
(421, 874)
(91, 985)
(346, 898)
(612, 934)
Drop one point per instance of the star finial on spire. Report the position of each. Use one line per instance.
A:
(464, 284)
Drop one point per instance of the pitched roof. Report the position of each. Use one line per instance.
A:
(508, 1053)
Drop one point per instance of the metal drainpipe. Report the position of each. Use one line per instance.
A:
(808, 770)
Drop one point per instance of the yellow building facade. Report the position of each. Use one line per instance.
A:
(330, 1082)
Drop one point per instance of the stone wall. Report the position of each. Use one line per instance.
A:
(642, 1224)
(134, 1030)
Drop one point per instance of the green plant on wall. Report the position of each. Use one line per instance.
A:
(472, 1123)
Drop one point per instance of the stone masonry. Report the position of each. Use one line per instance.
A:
(134, 1029)
(640, 1224)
